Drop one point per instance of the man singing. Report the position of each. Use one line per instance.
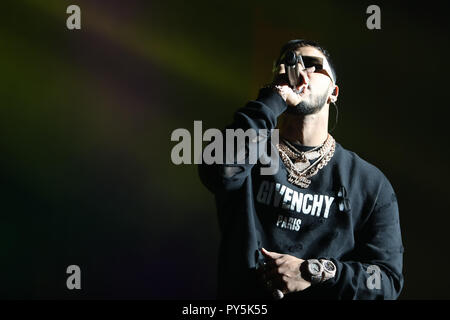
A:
(326, 224)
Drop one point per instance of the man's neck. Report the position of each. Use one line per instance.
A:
(310, 130)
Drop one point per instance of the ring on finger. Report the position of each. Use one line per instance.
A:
(278, 294)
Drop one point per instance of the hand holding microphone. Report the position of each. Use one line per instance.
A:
(292, 78)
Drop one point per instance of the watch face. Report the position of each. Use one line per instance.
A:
(329, 266)
(314, 268)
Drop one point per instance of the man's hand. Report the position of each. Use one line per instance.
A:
(282, 272)
(281, 82)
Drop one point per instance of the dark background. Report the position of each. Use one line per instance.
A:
(87, 115)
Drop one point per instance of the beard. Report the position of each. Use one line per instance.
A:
(310, 106)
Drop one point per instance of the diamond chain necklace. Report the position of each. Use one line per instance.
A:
(297, 163)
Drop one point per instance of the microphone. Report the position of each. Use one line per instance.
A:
(291, 61)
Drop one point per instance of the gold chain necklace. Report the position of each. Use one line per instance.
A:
(297, 163)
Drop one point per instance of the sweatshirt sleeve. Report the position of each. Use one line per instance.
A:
(261, 113)
(376, 271)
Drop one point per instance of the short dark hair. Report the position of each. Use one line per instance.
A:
(298, 43)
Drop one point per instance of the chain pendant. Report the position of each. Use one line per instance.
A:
(300, 181)
(302, 164)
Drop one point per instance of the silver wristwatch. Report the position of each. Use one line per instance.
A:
(329, 269)
(314, 270)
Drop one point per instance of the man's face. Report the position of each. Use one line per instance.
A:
(315, 95)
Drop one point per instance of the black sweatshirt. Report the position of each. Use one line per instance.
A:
(348, 214)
